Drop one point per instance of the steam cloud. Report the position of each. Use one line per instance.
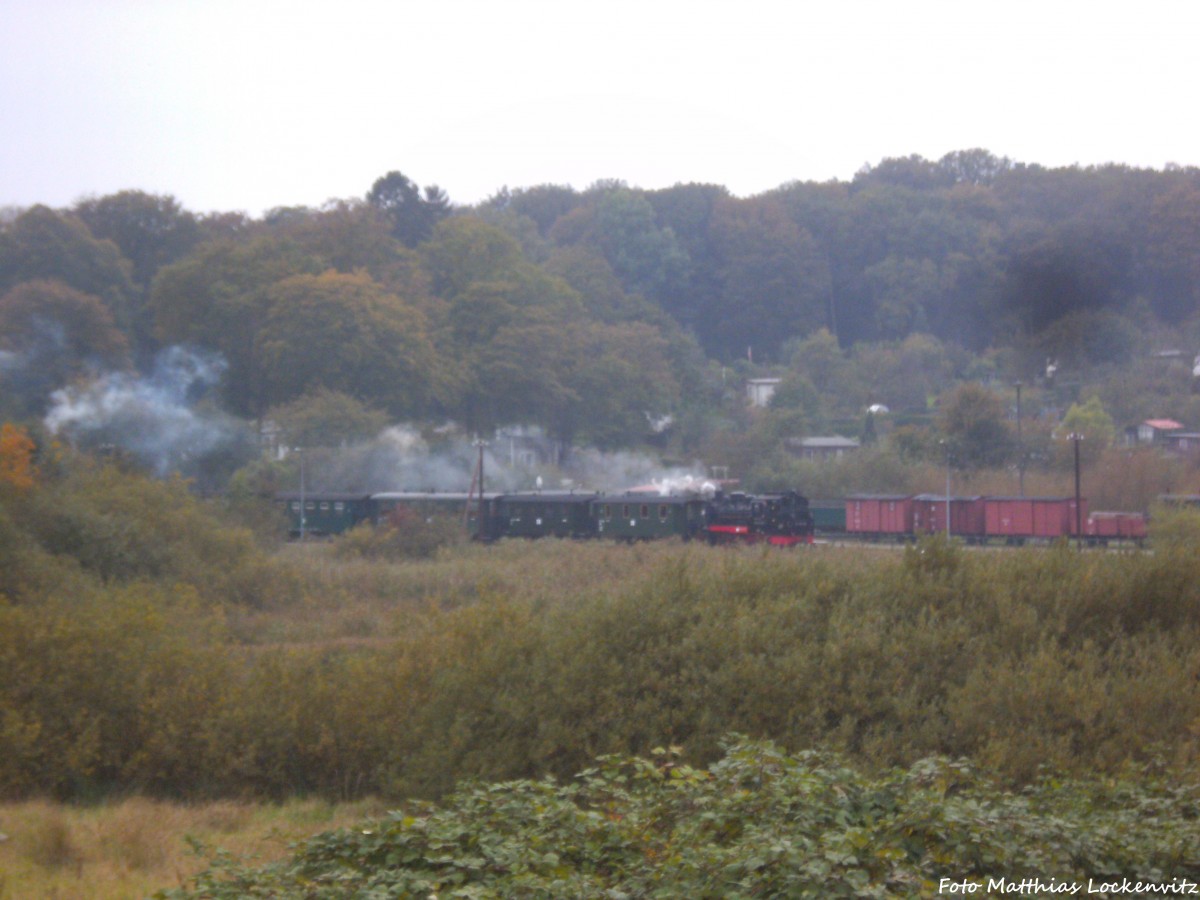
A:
(401, 459)
(164, 420)
(155, 418)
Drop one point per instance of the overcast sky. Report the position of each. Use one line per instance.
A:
(248, 104)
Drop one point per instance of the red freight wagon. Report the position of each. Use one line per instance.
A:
(1010, 518)
(1055, 516)
(879, 514)
(1015, 519)
(966, 515)
(1117, 526)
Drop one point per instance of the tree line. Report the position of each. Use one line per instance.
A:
(591, 311)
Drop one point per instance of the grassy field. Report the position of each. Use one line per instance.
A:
(397, 679)
(131, 848)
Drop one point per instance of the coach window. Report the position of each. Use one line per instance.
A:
(644, 512)
(607, 512)
(325, 506)
(339, 506)
(662, 512)
(624, 510)
(296, 506)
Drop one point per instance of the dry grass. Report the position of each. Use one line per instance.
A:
(335, 601)
(134, 847)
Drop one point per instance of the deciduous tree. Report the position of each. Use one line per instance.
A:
(346, 333)
(50, 334)
(218, 298)
(972, 421)
(44, 244)
(17, 471)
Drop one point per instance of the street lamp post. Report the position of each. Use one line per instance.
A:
(946, 445)
(303, 506)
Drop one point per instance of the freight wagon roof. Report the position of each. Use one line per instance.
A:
(1031, 499)
(941, 498)
(879, 497)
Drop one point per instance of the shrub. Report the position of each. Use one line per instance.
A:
(406, 535)
(757, 823)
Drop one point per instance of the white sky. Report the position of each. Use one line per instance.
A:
(250, 104)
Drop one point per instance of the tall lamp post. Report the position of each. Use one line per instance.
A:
(303, 506)
(946, 445)
(1075, 438)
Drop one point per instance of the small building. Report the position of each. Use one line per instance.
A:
(759, 391)
(821, 448)
(1152, 431)
(1182, 443)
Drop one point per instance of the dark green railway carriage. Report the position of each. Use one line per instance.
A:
(322, 514)
(829, 516)
(644, 517)
(565, 515)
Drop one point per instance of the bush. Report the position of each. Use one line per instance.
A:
(406, 535)
(757, 823)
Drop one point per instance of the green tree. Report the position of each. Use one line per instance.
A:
(621, 376)
(646, 257)
(545, 204)
(972, 423)
(218, 297)
(819, 358)
(413, 213)
(53, 334)
(44, 244)
(346, 333)
(150, 230)
(796, 392)
(901, 291)
(1092, 421)
(327, 418)
(773, 281)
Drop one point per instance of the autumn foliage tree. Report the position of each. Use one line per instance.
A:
(17, 470)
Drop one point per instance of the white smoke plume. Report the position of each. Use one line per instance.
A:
(402, 459)
(155, 418)
(627, 470)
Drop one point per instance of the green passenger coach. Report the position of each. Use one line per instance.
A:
(564, 515)
(643, 517)
(313, 514)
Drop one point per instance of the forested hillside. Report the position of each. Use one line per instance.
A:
(595, 313)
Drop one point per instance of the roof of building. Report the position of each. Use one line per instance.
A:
(816, 443)
(1163, 424)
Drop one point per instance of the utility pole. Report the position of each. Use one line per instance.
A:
(1020, 447)
(479, 524)
(1075, 438)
